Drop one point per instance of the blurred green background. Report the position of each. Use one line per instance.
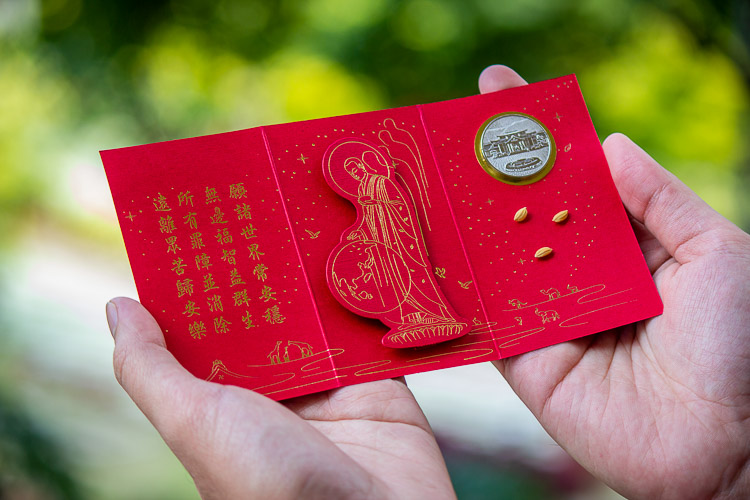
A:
(77, 76)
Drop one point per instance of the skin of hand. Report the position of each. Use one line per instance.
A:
(364, 441)
(660, 408)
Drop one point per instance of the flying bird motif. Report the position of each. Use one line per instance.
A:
(312, 234)
(465, 284)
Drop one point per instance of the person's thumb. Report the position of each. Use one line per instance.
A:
(149, 373)
(682, 222)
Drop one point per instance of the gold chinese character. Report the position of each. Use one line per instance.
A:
(190, 220)
(166, 224)
(235, 278)
(240, 297)
(209, 283)
(228, 256)
(184, 287)
(214, 303)
(223, 236)
(211, 195)
(254, 252)
(221, 325)
(243, 211)
(178, 266)
(249, 232)
(197, 329)
(237, 191)
(267, 294)
(218, 216)
(160, 203)
(196, 241)
(191, 309)
(185, 198)
(202, 261)
(248, 320)
(273, 316)
(260, 272)
(172, 244)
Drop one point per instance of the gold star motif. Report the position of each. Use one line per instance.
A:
(130, 216)
(490, 201)
(302, 158)
(521, 261)
(558, 117)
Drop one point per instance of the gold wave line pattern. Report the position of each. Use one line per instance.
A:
(563, 325)
(581, 301)
(599, 288)
(362, 374)
(304, 385)
(515, 341)
(532, 330)
(332, 353)
(484, 352)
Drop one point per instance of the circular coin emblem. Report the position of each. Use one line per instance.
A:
(515, 148)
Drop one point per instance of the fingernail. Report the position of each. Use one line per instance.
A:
(112, 317)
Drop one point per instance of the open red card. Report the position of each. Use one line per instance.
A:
(274, 257)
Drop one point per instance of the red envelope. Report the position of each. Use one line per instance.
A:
(296, 258)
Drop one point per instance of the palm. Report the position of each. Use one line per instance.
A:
(650, 400)
(366, 441)
(380, 426)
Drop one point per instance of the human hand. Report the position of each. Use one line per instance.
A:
(660, 408)
(363, 441)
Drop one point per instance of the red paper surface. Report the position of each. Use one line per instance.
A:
(229, 236)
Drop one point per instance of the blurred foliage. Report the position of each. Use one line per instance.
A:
(77, 76)
(32, 464)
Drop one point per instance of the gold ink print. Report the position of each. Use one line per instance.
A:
(293, 350)
(185, 198)
(196, 241)
(255, 254)
(160, 203)
(248, 232)
(184, 287)
(191, 309)
(214, 303)
(172, 244)
(240, 298)
(190, 220)
(166, 224)
(267, 294)
(235, 278)
(221, 325)
(202, 261)
(211, 195)
(228, 256)
(260, 272)
(273, 316)
(178, 266)
(237, 191)
(218, 216)
(243, 211)
(209, 283)
(313, 235)
(223, 236)
(547, 315)
(197, 329)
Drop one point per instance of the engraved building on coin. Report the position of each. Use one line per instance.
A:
(515, 148)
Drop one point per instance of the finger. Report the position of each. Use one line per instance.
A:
(499, 77)
(683, 223)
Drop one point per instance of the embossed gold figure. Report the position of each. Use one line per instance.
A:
(380, 267)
